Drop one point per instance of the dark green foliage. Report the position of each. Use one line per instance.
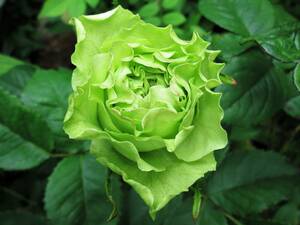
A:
(249, 182)
(254, 73)
(21, 138)
(72, 189)
(47, 179)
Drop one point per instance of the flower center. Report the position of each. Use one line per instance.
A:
(142, 78)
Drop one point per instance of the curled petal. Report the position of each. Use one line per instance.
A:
(208, 134)
(155, 188)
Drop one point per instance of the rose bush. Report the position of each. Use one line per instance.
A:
(144, 98)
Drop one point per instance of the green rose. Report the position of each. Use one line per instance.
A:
(143, 97)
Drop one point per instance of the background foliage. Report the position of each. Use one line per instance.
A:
(45, 178)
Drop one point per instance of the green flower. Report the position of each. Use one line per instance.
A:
(143, 96)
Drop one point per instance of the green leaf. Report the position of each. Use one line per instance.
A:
(193, 19)
(174, 18)
(16, 79)
(55, 8)
(257, 81)
(288, 214)
(75, 193)
(154, 20)
(21, 218)
(297, 76)
(230, 45)
(249, 182)
(76, 8)
(92, 3)
(17, 153)
(282, 47)
(292, 107)
(239, 133)
(170, 4)
(25, 138)
(7, 63)
(47, 93)
(210, 215)
(283, 41)
(178, 212)
(141, 216)
(149, 10)
(248, 17)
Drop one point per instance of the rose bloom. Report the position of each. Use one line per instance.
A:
(144, 98)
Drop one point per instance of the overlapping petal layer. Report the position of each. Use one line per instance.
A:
(144, 97)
